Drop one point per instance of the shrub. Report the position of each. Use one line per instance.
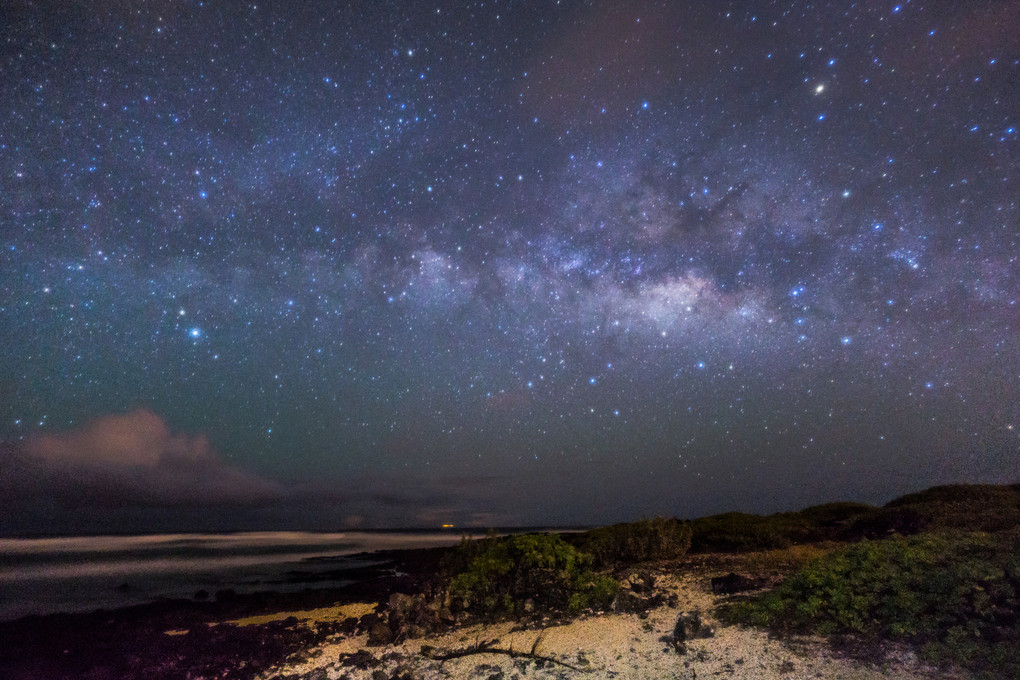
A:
(834, 514)
(504, 573)
(650, 539)
(970, 507)
(740, 532)
(956, 596)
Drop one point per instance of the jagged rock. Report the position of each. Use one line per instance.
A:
(691, 627)
(361, 659)
(641, 583)
(380, 634)
(732, 583)
(414, 616)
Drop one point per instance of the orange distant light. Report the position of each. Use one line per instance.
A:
(447, 526)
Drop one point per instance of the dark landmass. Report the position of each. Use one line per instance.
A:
(953, 532)
(132, 642)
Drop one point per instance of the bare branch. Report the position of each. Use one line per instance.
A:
(488, 648)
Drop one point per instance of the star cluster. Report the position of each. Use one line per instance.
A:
(676, 257)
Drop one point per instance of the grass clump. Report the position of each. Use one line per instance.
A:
(955, 596)
(502, 575)
(784, 560)
(660, 538)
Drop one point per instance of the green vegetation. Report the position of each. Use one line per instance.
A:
(784, 560)
(971, 507)
(650, 539)
(919, 570)
(740, 532)
(502, 575)
(956, 596)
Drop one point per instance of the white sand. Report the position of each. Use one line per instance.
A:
(621, 646)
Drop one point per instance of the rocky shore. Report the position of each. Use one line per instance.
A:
(930, 576)
(669, 631)
(198, 638)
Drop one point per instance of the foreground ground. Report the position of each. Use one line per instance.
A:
(608, 645)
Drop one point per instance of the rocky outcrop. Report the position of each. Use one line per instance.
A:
(689, 626)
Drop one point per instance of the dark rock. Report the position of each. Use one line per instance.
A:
(691, 627)
(380, 634)
(368, 620)
(641, 583)
(361, 659)
(414, 616)
(732, 583)
(349, 626)
(487, 671)
(787, 667)
(380, 675)
(202, 595)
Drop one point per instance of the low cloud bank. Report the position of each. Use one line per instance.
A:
(131, 459)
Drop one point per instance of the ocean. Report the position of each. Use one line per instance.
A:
(84, 573)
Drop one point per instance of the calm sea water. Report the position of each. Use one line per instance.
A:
(73, 574)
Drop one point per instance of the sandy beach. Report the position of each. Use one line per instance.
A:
(600, 646)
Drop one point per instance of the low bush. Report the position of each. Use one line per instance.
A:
(502, 575)
(969, 507)
(830, 515)
(955, 596)
(650, 539)
(741, 532)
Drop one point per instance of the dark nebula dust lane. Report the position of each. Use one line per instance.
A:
(503, 262)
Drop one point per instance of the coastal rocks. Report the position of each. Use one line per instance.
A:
(406, 617)
(379, 634)
(416, 616)
(688, 626)
(378, 629)
(637, 595)
(692, 627)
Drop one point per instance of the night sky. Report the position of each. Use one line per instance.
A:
(389, 264)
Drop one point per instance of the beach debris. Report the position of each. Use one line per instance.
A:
(488, 647)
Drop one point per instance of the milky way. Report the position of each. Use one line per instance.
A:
(509, 262)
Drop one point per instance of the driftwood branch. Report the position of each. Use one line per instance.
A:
(489, 648)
